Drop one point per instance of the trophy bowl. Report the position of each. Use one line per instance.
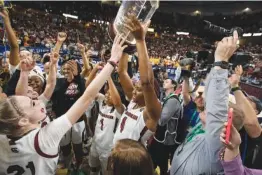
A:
(142, 9)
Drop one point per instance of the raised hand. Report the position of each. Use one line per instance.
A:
(61, 37)
(4, 14)
(235, 78)
(136, 28)
(117, 48)
(81, 47)
(226, 48)
(235, 139)
(73, 67)
(89, 53)
(54, 57)
(239, 70)
(100, 65)
(26, 65)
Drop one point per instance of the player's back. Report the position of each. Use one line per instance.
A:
(23, 156)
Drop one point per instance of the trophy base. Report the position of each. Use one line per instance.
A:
(112, 31)
(131, 49)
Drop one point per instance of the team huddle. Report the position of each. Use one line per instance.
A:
(30, 143)
(47, 119)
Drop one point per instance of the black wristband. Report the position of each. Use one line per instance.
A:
(235, 89)
(112, 63)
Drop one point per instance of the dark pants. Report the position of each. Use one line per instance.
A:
(160, 154)
(78, 150)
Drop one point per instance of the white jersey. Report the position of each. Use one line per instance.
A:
(132, 125)
(35, 153)
(105, 126)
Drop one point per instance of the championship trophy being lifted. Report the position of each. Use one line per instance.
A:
(142, 9)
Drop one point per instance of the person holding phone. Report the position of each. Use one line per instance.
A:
(251, 133)
(230, 157)
(199, 153)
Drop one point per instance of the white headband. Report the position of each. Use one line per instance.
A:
(37, 73)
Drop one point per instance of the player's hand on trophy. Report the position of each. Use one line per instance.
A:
(138, 29)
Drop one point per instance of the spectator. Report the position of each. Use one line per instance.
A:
(230, 156)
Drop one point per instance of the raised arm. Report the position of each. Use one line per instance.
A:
(14, 47)
(217, 93)
(61, 37)
(153, 106)
(22, 85)
(51, 80)
(124, 78)
(251, 122)
(185, 91)
(93, 73)
(80, 106)
(115, 97)
(85, 57)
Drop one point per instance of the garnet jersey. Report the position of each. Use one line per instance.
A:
(36, 152)
(132, 125)
(105, 126)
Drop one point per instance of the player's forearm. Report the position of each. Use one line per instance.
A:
(22, 84)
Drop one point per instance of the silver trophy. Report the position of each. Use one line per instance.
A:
(143, 10)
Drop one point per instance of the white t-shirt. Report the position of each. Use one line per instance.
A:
(34, 153)
(105, 125)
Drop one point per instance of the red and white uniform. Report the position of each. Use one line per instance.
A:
(103, 137)
(34, 153)
(132, 125)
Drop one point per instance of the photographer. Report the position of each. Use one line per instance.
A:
(199, 153)
(192, 106)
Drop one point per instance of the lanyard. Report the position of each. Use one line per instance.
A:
(194, 132)
(167, 98)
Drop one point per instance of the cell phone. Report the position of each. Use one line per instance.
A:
(229, 125)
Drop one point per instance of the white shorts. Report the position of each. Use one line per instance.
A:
(98, 157)
(75, 134)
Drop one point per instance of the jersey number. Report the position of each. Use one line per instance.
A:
(122, 125)
(20, 170)
(102, 124)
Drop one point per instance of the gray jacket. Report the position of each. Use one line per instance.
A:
(171, 112)
(200, 156)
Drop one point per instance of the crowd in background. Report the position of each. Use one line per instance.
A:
(106, 108)
(164, 48)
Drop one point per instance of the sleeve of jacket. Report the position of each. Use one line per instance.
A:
(235, 167)
(217, 94)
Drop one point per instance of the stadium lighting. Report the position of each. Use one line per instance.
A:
(70, 16)
(257, 34)
(247, 34)
(247, 9)
(182, 33)
(197, 12)
(151, 30)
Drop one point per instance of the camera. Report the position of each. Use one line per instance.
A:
(222, 31)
